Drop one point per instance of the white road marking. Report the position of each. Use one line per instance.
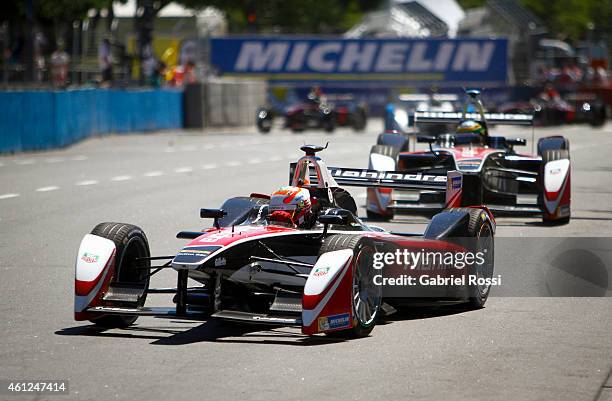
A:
(24, 162)
(209, 166)
(275, 158)
(169, 150)
(153, 174)
(121, 178)
(7, 196)
(55, 159)
(254, 161)
(233, 163)
(183, 170)
(47, 189)
(79, 158)
(87, 182)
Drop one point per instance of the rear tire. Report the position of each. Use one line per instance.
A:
(131, 243)
(366, 296)
(555, 154)
(480, 228)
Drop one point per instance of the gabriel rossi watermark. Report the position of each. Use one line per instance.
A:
(433, 268)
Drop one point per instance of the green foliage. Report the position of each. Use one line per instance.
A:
(568, 18)
(465, 4)
(286, 16)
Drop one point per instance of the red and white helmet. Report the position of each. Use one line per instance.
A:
(290, 204)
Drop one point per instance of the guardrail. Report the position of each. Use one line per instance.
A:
(39, 120)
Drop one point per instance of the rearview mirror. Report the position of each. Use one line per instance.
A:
(335, 219)
(516, 141)
(425, 138)
(213, 214)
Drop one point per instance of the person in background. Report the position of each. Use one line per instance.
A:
(105, 59)
(60, 61)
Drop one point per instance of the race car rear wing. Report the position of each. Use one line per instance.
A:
(424, 117)
(358, 177)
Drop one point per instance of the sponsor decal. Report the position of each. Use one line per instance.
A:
(320, 271)
(334, 322)
(194, 252)
(363, 59)
(89, 257)
(383, 175)
(455, 183)
(555, 171)
(470, 164)
(220, 262)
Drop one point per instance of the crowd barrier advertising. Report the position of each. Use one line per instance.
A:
(39, 120)
(392, 61)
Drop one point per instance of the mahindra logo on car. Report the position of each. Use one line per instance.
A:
(382, 175)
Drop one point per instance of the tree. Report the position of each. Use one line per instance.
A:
(569, 19)
(282, 16)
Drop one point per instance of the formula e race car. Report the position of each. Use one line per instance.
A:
(575, 108)
(300, 257)
(506, 181)
(318, 112)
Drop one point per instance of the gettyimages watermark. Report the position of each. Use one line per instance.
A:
(509, 267)
(411, 268)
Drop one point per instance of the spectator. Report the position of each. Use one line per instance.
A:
(60, 60)
(105, 60)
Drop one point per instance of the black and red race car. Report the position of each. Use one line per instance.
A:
(324, 112)
(574, 108)
(506, 181)
(252, 269)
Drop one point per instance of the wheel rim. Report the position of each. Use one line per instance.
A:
(128, 268)
(485, 270)
(366, 294)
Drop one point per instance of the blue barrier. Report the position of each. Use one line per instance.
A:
(38, 120)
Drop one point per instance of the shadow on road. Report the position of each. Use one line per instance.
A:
(226, 332)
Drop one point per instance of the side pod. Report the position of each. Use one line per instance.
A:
(326, 303)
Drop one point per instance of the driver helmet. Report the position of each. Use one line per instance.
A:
(471, 127)
(290, 205)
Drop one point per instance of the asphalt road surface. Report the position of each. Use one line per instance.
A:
(523, 348)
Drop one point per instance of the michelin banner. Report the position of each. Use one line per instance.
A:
(406, 61)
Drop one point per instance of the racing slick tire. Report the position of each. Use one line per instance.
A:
(264, 120)
(359, 120)
(131, 243)
(366, 304)
(385, 150)
(552, 143)
(548, 156)
(479, 227)
(328, 125)
(398, 141)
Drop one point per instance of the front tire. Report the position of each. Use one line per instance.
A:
(366, 297)
(131, 243)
